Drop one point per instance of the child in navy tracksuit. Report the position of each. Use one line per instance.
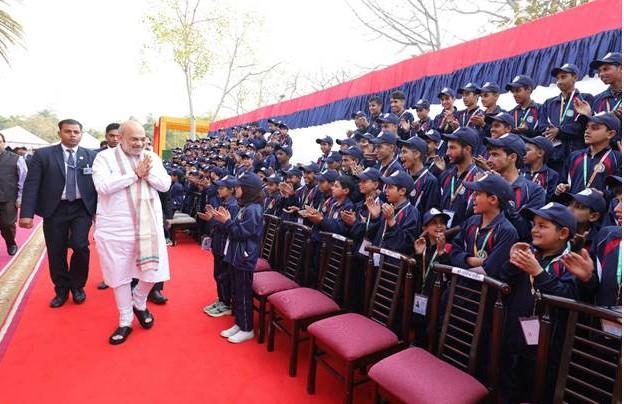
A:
(222, 273)
(242, 249)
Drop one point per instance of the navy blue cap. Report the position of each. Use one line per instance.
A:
(285, 148)
(326, 139)
(358, 114)
(246, 155)
(283, 125)
(466, 136)
(334, 157)
(220, 171)
(249, 179)
(272, 120)
(446, 91)
(542, 143)
(490, 87)
(422, 104)
(401, 179)
(431, 134)
(503, 117)
(353, 151)
(275, 179)
(613, 181)
(228, 181)
(470, 87)
(312, 167)
(432, 214)
(493, 184)
(521, 80)
(587, 197)
(359, 136)
(385, 137)
(388, 117)
(415, 143)
(294, 172)
(328, 175)
(604, 118)
(509, 141)
(555, 212)
(371, 173)
(611, 58)
(347, 141)
(568, 68)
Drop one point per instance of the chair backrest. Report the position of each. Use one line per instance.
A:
(466, 312)
(590, 365)
(335, 266)
(269, 238)
(195, 204)
(386, 284)
(297, 251)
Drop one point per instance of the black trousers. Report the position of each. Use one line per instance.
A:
(243, 295)
(8, 217)
(68, 228)
(223, 278)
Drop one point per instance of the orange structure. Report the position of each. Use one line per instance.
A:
(171, 132)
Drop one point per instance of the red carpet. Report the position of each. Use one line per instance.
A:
(63, 355)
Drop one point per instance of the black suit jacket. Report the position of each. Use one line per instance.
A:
(45, 181)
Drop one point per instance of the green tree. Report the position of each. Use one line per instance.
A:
(188, 32)
(10, 32)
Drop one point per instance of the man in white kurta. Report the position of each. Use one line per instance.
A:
(117, 223)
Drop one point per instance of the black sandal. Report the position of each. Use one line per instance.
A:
(146, 319)
(120, 335)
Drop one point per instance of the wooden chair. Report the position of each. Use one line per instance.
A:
(448, 372)
(266, 261)
(180, 222)
(291, 274)
(301, 307)
(590, 365)
(361, 340)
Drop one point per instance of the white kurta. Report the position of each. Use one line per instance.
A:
(114, 227)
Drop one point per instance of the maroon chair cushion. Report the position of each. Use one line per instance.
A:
(416, 376)
(299, 303)
(262, 265)
(352, 335)
(268, 282)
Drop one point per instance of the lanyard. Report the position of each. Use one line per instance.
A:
(547, 268)
(471, 116)
(395, 219)
(562, 111)
(535, 178)
(416, 185)
(596, 170)
(368, 217)
(613, 108)
(523, 120)
(431, 262)
(485, 240)
(306, 200)
(385, 172)
(454, 192)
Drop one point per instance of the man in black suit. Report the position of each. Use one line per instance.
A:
(59, 188)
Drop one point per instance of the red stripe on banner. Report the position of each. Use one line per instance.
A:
(579, 22)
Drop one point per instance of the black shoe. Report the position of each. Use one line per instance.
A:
(58, 301)
(146, 319)
(79, 296)
(120, 335)
(12, 250)
(157, 297)
(102, 285)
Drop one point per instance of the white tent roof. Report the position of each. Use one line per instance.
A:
(89, 141)
(18, 136)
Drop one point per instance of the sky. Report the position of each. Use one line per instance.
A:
(83, 59)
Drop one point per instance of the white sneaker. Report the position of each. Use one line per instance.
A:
(241, 336)
(230, 331)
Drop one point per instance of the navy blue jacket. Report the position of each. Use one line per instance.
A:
(545, 177)
(500, 234)
(437, 122)
(245, 235)
(603, 287)
(579, 176)
(527, 195)
(401, 236)
(219, 235)
(456, 201)
(527, 120)
(426, 192)
(177, 195)
(332, 222)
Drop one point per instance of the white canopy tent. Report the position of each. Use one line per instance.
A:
(18, 136)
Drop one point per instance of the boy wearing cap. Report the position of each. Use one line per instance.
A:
(282, 156)
(426, 192)
(406, 119)
(538, 266)
(423, 123)
(559, 117)
(273, 196)
(455, 196)
(587, 206)
(436, 150)
(389, 122)
(222, 272)
(446, 121)
(610, 71)
(399, 223)
(486, 237)
(334, 160)
(505, 158)
(292, 194)
(589, 167)
(285, 139)
(387, 153)
(489, 99)
(526, 113)
(326, 144)
(310, 195)
(331, 221)
(325, 182)
(535, 170)
(472, 116)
